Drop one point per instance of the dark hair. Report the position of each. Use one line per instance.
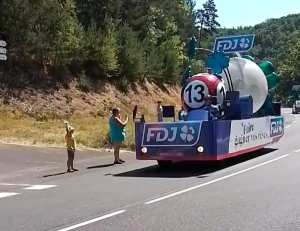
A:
(115, 110)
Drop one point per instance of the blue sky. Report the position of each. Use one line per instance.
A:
(232, 14)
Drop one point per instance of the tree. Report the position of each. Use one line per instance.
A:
(45, 32)
(128, 39)
(190, 27)
(100, 50)
(207, 18)
(96, 11)
(68, 41)
(130, 53)
(163, 33)
(134, 13)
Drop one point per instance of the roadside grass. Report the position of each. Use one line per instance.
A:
(33, 117)
(90, 131)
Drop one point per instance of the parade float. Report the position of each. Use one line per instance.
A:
(249, 120)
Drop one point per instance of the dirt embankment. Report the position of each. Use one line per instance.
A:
(70, 102)
(36, 117)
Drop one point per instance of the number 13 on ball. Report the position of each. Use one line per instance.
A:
(198, 87)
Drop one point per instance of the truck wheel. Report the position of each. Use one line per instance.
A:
(164, 163)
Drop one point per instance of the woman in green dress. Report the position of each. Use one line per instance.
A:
(117, 133)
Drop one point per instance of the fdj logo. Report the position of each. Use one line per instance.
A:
(171, 134)
(162, 134)
(276, 127)
(234, 43)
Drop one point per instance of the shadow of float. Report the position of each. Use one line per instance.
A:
(193, 169)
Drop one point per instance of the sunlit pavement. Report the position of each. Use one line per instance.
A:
(253, 192)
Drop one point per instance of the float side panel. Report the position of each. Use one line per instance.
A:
(175, 140)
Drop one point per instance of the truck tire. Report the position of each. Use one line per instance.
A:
(164, 163)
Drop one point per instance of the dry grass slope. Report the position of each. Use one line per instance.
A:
(36, 118)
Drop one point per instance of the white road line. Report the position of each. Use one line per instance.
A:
(287, 126)
(92, 221)
(213, 181)
(7, 194)
(40, 187)
(29, 186)
(41, 162)
(294, 121)
(10, 184)
(297, 150)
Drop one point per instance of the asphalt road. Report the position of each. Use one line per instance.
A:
(255, 192)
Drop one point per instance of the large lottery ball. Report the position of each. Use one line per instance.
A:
(198, 87)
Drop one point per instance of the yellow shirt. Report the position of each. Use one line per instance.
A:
(71, 142)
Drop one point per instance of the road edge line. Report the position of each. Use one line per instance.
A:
(213, 181)
(81, 224)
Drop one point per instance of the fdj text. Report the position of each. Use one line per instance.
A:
(162, 134)
(276, 127)
(227, 45)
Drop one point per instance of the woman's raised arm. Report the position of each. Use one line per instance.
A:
(120, 123)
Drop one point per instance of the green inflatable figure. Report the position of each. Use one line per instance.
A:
(268, 70)
(272, 77)
(272, 80)
(192, 47)
(249, 57)
(186, 74)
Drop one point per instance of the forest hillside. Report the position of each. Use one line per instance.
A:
(75, 59)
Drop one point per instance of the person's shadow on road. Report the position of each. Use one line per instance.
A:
(55, 174)
(100, 166)
(91, 167)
